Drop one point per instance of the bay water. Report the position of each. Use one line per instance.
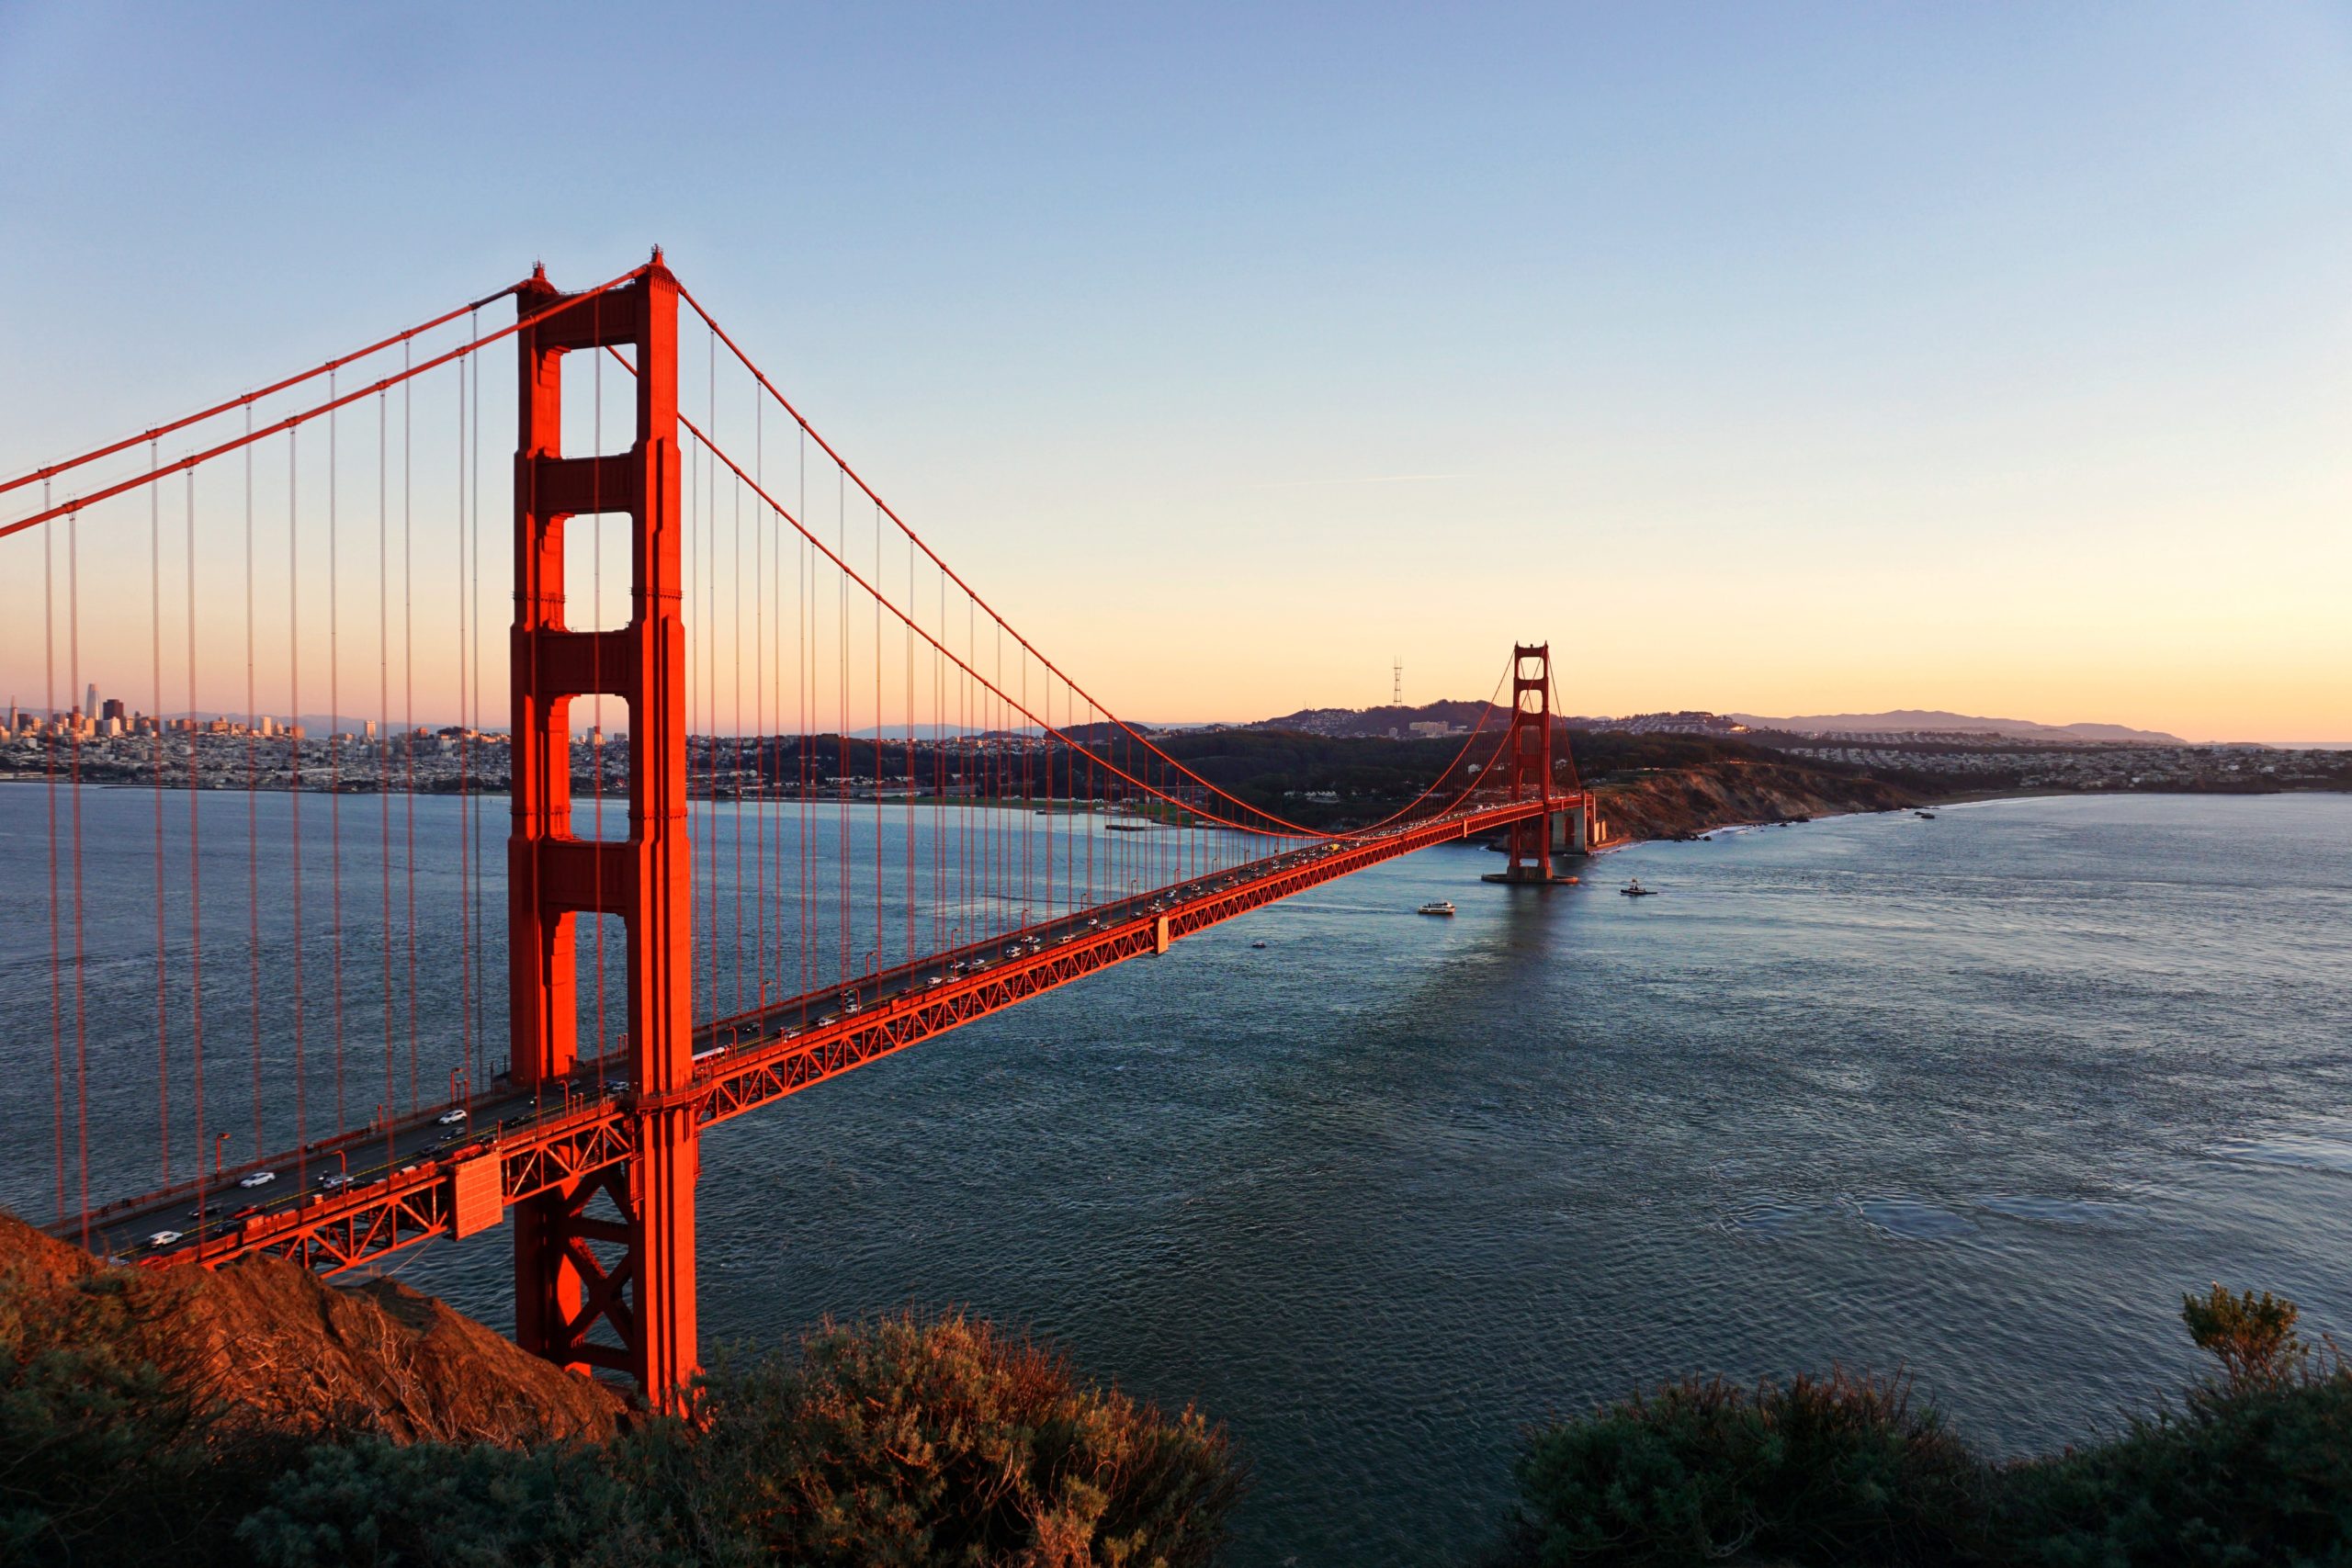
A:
(1976, 1097)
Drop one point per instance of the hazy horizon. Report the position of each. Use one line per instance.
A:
(494, 721)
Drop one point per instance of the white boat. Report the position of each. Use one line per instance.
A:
(1436, 907)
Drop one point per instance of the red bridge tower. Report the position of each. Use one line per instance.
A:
(1528, 750)
(637, 1294)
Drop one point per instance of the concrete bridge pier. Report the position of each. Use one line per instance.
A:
(1570, 831)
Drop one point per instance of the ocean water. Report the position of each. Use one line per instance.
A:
(1977, 1097)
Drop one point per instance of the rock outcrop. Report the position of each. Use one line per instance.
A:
(1678, 802)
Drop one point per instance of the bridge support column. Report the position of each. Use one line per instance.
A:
(1528, 754)
(609, 1290)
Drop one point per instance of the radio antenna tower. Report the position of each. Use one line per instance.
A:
(1396, 691)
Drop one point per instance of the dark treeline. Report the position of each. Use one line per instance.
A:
(1325, 782)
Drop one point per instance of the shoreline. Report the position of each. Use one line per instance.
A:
(1058, 807)
(1960, 797)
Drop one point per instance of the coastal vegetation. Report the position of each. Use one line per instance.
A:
(255, 1415)
(128, 1434)
(2250, 1466)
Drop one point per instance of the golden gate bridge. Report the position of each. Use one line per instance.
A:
(857, 809)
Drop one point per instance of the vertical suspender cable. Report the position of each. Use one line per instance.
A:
(384, 729)
(253, 801)
(1028, 811)
(805, 695)
(408, 699)
(735, 638)
(690, 583)
(841, 715)
(710, 665)
(760, 708)
(998, 857)
(195, 886)
(780, 774)
(80, 1014)
(49, 779)
(473, 800)
(465, 720)
(1091, 828)
(964, 757)
(155, 648)
(706, 893)
(335, 744)
(908, 810)
(596, 618)
(294, 776)
(775, 777)
(873, 960)
(735, 650)
(938, 776)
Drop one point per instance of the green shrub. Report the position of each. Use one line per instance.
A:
(2259, 1475)
(2254, 1339)
(909, 1443)
(1836, 1469)
(940, 1441)
(2255, 1468)
(373, 1503)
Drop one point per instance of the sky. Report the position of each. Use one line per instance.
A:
(1773, 358)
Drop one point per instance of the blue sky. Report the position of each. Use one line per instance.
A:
(1764, 357)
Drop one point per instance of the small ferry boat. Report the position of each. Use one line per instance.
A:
(1436, 907)
(1634, 889)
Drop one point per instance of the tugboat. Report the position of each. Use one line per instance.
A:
(1436, 907)
(1634, 889)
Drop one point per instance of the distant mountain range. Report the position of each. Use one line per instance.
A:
(1936, 718)
(1383, 721)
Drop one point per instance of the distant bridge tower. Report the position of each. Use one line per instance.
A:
(1528, 755)
(636, 1295)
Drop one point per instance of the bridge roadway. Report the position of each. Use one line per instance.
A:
(349, 1201)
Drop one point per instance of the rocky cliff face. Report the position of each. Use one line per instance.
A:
(268, 1343)
(1674, 803)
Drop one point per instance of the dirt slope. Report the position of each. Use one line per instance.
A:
(273, 1343)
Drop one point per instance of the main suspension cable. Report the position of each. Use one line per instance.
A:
(247, 399)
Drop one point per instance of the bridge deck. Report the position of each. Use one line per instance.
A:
(425, 1179)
